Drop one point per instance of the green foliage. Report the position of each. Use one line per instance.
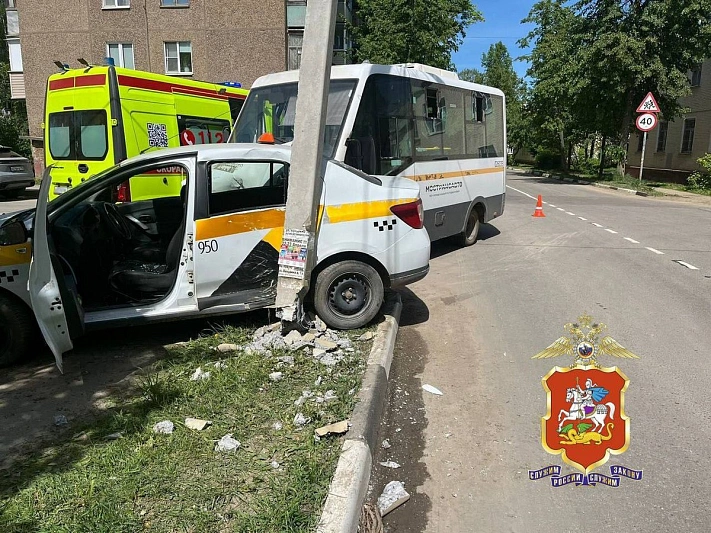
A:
(701, 180)
(473, 75)
(13, 113)
(418, 31)
(593, 60)
(547, 159)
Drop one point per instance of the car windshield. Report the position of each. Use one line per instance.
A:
(272, 109)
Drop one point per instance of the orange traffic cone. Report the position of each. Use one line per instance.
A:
(539, 208)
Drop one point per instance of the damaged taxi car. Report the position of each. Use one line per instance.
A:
(86, 260)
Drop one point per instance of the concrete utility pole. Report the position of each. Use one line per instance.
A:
(305, 177)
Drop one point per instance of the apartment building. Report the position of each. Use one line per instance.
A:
(674, 146)
(210, 40)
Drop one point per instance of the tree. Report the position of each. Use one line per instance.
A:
(473, 75)
(555, 74)
(635, 46)
(419, 31)
(13, 113)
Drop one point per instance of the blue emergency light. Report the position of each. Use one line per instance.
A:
(235, 84)
(110, 62)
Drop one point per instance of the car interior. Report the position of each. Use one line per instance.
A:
(121, 253)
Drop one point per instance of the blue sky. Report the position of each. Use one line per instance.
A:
(502, 22)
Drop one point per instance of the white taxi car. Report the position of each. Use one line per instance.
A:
(92, 261)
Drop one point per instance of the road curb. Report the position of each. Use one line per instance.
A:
(349, 485)
(595, 184)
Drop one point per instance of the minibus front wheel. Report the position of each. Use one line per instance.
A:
(348, 294)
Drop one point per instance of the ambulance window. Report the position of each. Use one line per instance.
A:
(80, 135)
(242, 185)
(92, 132)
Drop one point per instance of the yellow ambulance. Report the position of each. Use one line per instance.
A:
(98, 116)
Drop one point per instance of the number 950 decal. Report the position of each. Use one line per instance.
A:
(207, 247)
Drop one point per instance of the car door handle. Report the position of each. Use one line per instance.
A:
(146, 219)
(137, 222)
(83, 168)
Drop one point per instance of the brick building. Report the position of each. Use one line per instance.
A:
(210, 40)
(674, 146)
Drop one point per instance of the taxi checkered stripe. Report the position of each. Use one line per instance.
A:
(8, 277)
(385, 224)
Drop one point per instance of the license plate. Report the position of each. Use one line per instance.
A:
(17, 169)
(60, 189)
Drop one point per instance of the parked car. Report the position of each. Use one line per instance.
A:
(89, 259)
(16, 173)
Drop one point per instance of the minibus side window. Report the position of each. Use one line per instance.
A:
(244, 185)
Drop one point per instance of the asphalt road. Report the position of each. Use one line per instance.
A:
(26, 200)
(471, 327)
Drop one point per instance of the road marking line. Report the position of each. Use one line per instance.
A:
(610, 230)
(569, 213)
(560, 209)
(597, 225)
(631, 240)
(654, 250)
(524, 193)
(551, 205)
(581, 218)
(684, 263)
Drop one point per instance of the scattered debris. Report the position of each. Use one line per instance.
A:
(293, 339)
(344, 344)
(398, 430)
(276, 376)
(166, 427)
(368, 335)
(308, 338)
(447, 435)
(276, 426)
(83, 436)
(318, 381)
(60, 420)
(225, 347)
(351, 392)
(227, 444)
(114, 436)
(300, 420)
(275, 465)
(386, 444)
(325, 344)
(320, 325)
(330, 396)
(318, 352)
(220, 365)
(432, 390)
(286, 359)
(197, 423)
(393, 496)
(336, 428)
(329, 359)
(199, 375)
(390, 464)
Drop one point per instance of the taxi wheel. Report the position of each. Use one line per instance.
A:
(16, 327)
(348, 295)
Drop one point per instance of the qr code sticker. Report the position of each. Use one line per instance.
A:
(157, 135)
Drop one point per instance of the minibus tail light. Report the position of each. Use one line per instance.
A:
(410, 213)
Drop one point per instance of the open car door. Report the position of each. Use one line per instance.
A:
(53, 294)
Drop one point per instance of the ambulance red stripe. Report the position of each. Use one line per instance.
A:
(152, 85)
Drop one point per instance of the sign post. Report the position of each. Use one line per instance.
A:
(646, 122)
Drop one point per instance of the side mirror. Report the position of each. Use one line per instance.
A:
(13, 233)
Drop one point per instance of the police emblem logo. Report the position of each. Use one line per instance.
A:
(585, 421)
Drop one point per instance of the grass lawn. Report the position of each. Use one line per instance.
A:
(87, 481)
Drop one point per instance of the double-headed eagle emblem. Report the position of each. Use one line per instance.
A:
(584, 346)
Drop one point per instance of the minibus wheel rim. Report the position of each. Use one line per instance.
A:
(348, 294)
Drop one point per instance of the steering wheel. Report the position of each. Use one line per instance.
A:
(116, 221)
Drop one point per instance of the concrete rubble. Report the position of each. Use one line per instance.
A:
(197, 423)
(385, 445)
(224, 348)
(336, 428)
(276, 376)
(199, 375)
(165, 427)
(393, 496)
(432, 390)
(389, 464)
(227, 444)
(60, 420)
(300, 420)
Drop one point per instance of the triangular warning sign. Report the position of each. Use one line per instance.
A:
(648, 105)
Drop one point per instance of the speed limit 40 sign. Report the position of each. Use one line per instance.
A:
(646, 122)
